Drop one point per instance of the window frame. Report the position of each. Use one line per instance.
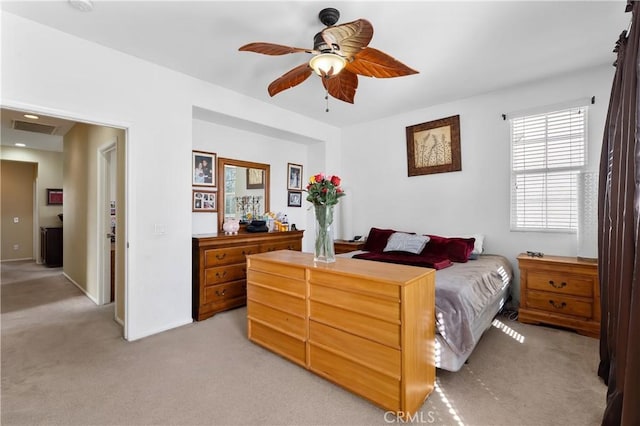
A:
(546, 171)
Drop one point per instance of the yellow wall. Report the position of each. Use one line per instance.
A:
(17, 183)
(81, 146)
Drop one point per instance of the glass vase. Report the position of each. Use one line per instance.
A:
(324, 250)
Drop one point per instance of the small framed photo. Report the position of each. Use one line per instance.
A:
(294, 177)
(203, 165)
(204, 201)
(54, 196)
(434, 147)
(294, 199)
(255, 178)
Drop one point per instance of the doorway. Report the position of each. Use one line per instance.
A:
(107, 192)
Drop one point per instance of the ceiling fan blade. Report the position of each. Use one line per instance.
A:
(351, 37)
(290, 79)
(342, 86)
(273, 49)
(371, 62)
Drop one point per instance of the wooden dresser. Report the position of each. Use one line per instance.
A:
(562, 291)
(219, 267)
(366, 326)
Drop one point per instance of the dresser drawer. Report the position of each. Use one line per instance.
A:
(280, 343)
(289, 285)
(562, 283)
(223, 292)
(223, 274)
(283, 321)
(228, 255)
(383, 308)
(355, 284)
(385, 332)
(277, 269)
(277, 300)
(379, 357)
(281, 245)
(379, 388)
(559, 304)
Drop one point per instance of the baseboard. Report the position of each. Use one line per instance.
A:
(16, 260)
(81, 289)
(118, 320)
(148, 333)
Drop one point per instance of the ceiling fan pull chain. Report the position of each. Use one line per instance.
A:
(326, 98)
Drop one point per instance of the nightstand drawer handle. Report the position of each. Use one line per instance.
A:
(220, 293)
(557, 305)
(220, 257)
(554, 285)
(218, 276)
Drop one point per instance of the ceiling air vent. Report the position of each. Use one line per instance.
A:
(34, 127)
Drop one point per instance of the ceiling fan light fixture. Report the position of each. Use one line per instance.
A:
(327, 64)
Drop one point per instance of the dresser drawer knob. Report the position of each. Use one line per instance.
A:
(554, 285)
(245, 253)
(557, 305)
(220, 293)
(221, 256)
(218, 276)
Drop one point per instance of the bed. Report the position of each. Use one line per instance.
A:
(468, 297)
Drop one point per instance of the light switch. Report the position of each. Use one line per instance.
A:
(16, 220)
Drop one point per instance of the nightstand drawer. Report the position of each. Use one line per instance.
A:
(576, 285)
(556, 303)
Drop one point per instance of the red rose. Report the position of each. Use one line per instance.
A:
(319, 177)
(335, 180)
(324, 190)
(339, 190)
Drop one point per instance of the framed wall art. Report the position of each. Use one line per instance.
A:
(204, 201)
(255, 178)
(434, 147)
(294, 177)
(294, 199)
(203, 165)
(54, 196)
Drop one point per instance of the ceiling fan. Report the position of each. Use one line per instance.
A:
(341, 53)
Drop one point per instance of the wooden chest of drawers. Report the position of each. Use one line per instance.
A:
(219, 279)
(344, 246)
(366, 326)
(562, 291)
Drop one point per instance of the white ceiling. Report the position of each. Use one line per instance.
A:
(461, 49)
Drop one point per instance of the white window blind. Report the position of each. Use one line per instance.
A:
(547, 153)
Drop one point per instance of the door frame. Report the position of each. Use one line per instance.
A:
(124, 233)
(105, 155)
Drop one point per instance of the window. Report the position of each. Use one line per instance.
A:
(547, 154)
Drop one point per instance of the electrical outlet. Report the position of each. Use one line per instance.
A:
(16, 220)
(16, 246)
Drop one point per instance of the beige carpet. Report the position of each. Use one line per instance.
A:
(64, 362)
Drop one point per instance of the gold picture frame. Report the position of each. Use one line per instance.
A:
(434, 147)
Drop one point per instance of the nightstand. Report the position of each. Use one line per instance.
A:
(560, 290)
(344, 246)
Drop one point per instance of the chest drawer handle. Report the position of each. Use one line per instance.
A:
(554, 285)
(218, 276)
(220, 293)
(221, 256)
(245, 253)
(557, 305)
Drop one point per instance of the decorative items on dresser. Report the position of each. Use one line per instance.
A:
(366, 326)
(51, 246)
(562, 291)
(219, 267)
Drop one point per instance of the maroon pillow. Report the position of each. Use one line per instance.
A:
(459, 249)
(377, 239)
(455, 249)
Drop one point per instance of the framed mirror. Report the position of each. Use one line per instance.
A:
(243, 190)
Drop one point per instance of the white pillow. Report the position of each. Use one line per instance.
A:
(399, 241)
(477, 246)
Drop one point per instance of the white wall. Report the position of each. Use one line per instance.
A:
(95, 84)
(229, 142)
(476, 199)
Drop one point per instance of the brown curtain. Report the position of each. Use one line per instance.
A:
(618, 222)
